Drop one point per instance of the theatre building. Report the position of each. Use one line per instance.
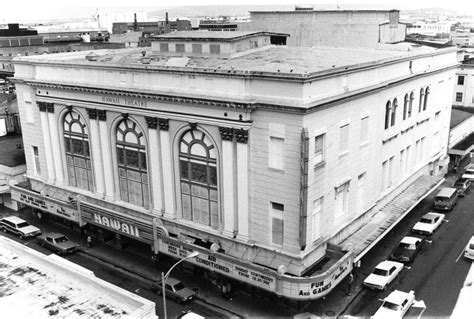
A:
(266, 159)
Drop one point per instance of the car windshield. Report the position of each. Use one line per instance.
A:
(459, 185)
(61, 239)
(471, 246)
(178, 286)
(391, 305)
(442, 199)
(427, 221)
(380, 272)
(406, 246)
(23, 224)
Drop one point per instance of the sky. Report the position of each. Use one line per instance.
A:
(11, 10)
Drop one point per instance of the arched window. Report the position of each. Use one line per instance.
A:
(78, 159)
(394, 112)
(410, 106)
(132, 165)
(388, 111)
(198, 176)
(425, 102)
(422, 98)
(405, 106)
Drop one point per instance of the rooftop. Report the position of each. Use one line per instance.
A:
(294, 61)
(204, 35)
(458, 116)
(410, 240)
(12, 153)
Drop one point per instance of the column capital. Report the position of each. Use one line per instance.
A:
(164, 124)
(92, 113)
(102, 115)
(227, 133)
(152, 122)
(45, 106)
(241, 135)
(50, 107)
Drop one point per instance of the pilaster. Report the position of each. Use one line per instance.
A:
(47, 142)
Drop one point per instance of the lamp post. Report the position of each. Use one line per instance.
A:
(164, 277)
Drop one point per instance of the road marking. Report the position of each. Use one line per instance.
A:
(462, 252)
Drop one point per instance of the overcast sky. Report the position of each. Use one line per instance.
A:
(11, 10)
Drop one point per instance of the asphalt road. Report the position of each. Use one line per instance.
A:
(438, 272)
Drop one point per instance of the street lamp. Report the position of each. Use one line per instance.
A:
(164, 277)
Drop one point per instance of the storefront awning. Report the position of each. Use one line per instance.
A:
(389, 215)
(463, 147)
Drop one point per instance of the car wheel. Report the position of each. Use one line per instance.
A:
(4, 230)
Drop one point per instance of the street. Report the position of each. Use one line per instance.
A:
(437, 273)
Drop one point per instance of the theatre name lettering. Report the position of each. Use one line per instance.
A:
(117, 225)
(123, 101)
(225, 267)
(33, 201)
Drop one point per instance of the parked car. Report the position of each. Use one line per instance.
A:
(463, 185)
(407, 249)
(395, 305)
(469, 172)
(383, 274)
(58, 243)
(469, 250)
(190, 315)
(175, 289)
(428, 223)
(18, 227)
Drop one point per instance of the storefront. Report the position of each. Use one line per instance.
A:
(46, 207)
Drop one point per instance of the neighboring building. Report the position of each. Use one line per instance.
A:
(218, 25)
(463, 39)
(265, 159)
(341, 28)
(461, 138)
(12, 168)
(464, 83)
(430, 28)
(51, 286)
(9, 118)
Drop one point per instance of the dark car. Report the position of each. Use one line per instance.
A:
(58, 243)
(407, 249)
(463, 185)
(175, 289)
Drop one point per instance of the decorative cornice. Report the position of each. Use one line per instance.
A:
(241, 135)
(164, 124)
(102, 115)
(227, 133)
(152, 122)
(92, 113)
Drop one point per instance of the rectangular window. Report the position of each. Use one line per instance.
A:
(402, 162)
(364, 130)
(319, 148)
(197, 48)
(314, 223)
(276, 214)
(215, 48)
(417, 151)
(407, 162)
(342, 195)
(164, 47)
(384, 175)
(391, 169)
(422, 148)
(275, 154)
(344, 138)
(460, 79)
(436, 143)
(179, 47)
(458, 97)
(36, 160)
(360, 192)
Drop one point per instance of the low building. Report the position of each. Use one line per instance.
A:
(464, 84)
(265, 159)
(51, 286)
(12, 168)
(339, 28)
(461, 138)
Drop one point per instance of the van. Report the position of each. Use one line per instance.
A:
(445, 199)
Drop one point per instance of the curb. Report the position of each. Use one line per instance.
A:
(144, 279)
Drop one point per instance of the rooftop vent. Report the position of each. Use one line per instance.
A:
(304, 7)
(92, 56)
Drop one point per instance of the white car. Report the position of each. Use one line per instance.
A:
(469, 172)
(469, 250)
(383, 274)
(395, 305)
(428, 223)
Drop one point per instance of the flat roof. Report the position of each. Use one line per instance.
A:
(325, 11)
(291, 61)
(51, 286)
(205, 35)
(458, 116)
(12, 153)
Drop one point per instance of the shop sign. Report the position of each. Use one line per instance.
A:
(116, 225)
(220, 265)
(123, 101)
(43, 203)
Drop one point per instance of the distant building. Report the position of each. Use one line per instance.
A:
(341, 28)
(464, 82)
(461, 138)
(430, 28)
(217, 25)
